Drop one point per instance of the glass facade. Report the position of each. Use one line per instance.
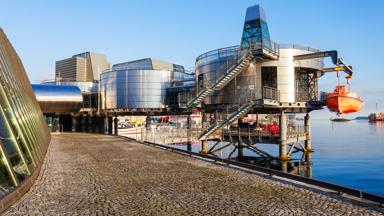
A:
(255, 31)
(24, 136)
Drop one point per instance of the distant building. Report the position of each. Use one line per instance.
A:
(83, 67)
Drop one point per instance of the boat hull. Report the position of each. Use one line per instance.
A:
(343, 104)
(376, 117)
(340, 119)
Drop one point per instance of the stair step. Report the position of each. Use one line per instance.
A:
(224, 80)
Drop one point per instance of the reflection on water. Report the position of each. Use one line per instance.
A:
(303, 168)
(349, 153)
(346, 153)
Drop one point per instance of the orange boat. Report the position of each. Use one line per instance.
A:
(343, 102)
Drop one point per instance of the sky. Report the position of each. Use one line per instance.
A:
(178, 31)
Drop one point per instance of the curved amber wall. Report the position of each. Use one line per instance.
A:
(24, 135)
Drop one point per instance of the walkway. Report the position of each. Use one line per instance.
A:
(90, 174)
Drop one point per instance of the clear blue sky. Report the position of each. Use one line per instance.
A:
(178, 31)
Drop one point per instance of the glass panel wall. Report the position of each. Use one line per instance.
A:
(24, 135)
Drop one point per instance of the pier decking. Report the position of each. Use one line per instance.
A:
(92, 174)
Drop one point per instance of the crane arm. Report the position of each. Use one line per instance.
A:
(339, 62)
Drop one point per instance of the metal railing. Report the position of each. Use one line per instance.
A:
(271, 93)
(242, 55)
(167, 134)
(295, 130)
(300, 47)
(302, 96)
(265, 44)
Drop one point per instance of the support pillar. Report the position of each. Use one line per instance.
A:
(89, 124)
(110, 125)
(115, 125)
(204, 143)
(83, 128)
(240, 149)
(148, 123)
(106, 125)
(307, 124)
(308, 161)
(284, 166)
(189, 128)
(283, 137)
(97, 124)
(204, 147)
(74, 121)
(203, 120)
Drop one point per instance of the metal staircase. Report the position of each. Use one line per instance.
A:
(223, 80)
(243, 110)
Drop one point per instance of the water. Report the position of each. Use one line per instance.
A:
(349, 153)
(346, 153)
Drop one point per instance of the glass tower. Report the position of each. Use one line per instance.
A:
(255, 31)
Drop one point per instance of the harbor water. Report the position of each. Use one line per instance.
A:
(349, 153)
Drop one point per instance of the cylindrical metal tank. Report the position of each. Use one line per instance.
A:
(58, 98)
(134, 88)
(250, 83)
(286, 68)
(85, 87)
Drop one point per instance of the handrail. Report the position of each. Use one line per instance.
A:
(242, 55)
(238, 61)
(300, 47)
(271, 93)
(228, 120)
(265, 43)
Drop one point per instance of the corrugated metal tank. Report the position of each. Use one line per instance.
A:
(134, 88)
(58, 98)
(248, 84)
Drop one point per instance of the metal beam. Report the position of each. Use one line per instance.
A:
(333, 54)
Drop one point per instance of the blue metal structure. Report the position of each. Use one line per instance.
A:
(58, 98)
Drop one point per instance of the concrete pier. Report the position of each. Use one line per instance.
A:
(95, 174)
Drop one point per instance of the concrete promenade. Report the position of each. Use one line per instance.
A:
(90, 174)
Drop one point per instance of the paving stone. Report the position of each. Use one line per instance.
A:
(92, 174)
